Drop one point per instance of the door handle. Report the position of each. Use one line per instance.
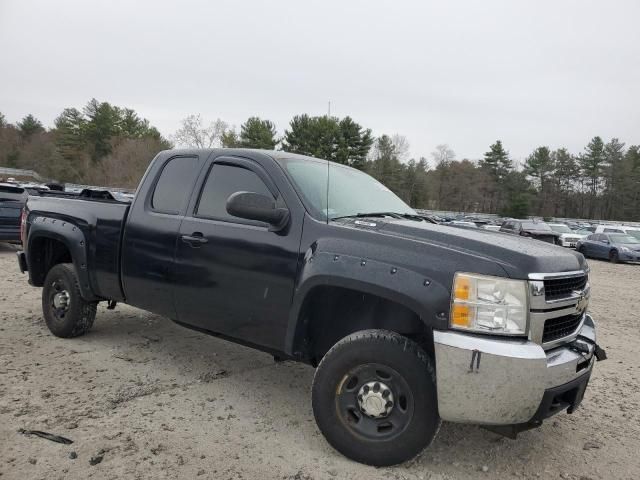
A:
(194, 240)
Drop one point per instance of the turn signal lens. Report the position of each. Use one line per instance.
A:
(461, 315)
(461, 288)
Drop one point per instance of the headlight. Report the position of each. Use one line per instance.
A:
(625, 249)
(486, 304)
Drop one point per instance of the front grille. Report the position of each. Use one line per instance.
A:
(555, 288)
(555, 328)
(571, 239)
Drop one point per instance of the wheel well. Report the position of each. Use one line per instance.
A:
(331, 313)
(46, 252)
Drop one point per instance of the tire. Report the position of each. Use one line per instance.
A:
(581, 250)
(65, 312)
(347, 376)
(613, 256)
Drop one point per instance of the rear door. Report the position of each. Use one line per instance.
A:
(600, 247)
(151, 231)
(587, 244)
(233, 276)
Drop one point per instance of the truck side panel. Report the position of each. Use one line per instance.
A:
(91, 231)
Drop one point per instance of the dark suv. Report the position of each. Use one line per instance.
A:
(12, 199)
(531, 228)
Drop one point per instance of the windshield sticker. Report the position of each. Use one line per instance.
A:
(366, 224)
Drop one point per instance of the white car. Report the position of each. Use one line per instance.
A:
(568, 238)
(493, 228)
(633, 231)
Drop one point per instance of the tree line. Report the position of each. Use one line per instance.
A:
(112, 146)
(101, 144)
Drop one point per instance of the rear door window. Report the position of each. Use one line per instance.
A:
(175, 184)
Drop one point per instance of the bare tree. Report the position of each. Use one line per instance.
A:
(443, 155)
(194, 134)
(401, 147)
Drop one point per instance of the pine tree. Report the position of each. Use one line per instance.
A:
(386, 166)
(29, 126)
(315, 136)
(592, 162)
(614, 154)
(564, 178)
(497, 164)
(258, 133)
(539, 165)
(354, 144)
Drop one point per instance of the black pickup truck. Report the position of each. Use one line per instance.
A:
(407, 322)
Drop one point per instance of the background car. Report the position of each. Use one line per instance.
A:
(530, 228)
(12, 199)
(633, 231)
(461, 224)
(568, 238)
(493, 228)
(614, 247)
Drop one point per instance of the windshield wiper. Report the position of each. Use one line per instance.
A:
(382, 214)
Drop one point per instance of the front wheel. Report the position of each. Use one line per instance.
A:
(613, 256)
(66, 313)
(374, 398)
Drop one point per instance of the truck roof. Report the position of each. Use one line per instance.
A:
(275, 154)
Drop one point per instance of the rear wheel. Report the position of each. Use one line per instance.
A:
(66, 313)
(374, 398)
(613, 256)
(581, 250)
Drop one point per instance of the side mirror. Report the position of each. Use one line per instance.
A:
(255, 206)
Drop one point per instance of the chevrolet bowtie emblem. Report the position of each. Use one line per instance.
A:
(583, 301)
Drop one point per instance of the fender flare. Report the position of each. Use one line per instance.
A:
(73, 238)
(395, 283)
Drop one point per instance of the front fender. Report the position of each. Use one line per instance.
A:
(425, 296)
(72, 237)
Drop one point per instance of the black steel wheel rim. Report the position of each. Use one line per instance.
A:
(56, 288)
(363, 425)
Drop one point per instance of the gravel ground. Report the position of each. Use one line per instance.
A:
(144, 398)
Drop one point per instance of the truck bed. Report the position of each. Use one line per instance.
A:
(102, 223)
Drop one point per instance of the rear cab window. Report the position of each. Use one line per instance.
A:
(174, 186)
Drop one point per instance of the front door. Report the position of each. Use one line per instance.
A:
(234, 276)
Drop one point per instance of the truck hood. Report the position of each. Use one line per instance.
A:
(518, 256)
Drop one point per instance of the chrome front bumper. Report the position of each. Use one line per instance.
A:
(493, 381)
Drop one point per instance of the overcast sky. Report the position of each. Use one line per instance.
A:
(463, 73)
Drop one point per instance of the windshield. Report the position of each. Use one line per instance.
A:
(351, 192)
(634, 233)
(561, 229)
(535, 226)
(622, 238)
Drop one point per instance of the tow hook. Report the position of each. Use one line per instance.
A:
(600, 353)
(585, 346)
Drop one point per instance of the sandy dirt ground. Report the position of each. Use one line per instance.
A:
(144, 398)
